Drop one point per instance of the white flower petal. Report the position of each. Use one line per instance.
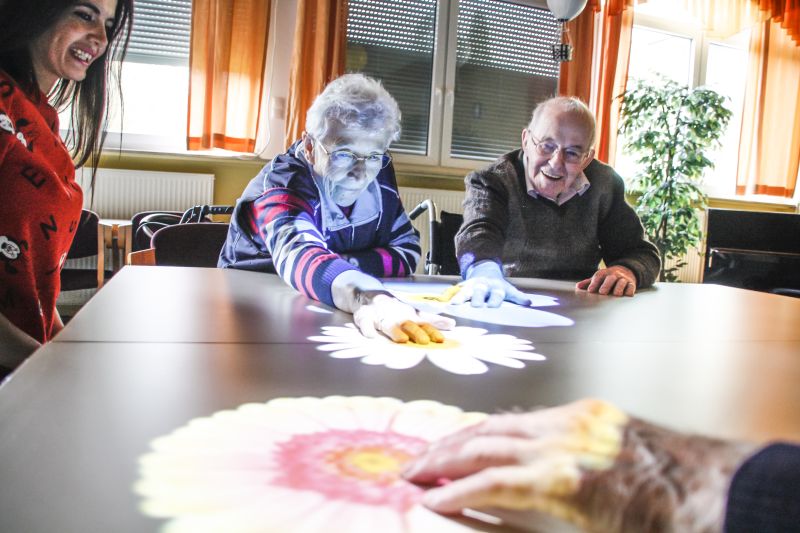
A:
(334, 347)
(457, 363)
(398, 357)
(406, 359)
(508, 315)
(500, 359)
(526, 356)
(375, 414)
(432, 420)
(351, 353)
(463, 355)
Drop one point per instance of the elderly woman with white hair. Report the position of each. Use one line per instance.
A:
(327, 217)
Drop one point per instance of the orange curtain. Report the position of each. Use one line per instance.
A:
(320, 41)
(768, 148)
(227, 62)
(784, 12)
(575, 77)
(610, 48)
(723, 18)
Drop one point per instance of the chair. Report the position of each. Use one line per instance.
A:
(201, 213)
(145, 223)
(753, 250)
(196, 244)
(88, 242)
(443, 226)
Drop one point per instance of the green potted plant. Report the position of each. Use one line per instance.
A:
(669, 128)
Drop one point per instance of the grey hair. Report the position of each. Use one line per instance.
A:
(568, 104)
(354, 100)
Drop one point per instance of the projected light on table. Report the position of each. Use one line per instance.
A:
(465, 350)
(298, 464)
(422, 296)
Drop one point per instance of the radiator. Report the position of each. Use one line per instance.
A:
(122, 193)
(692, 271)
(119, 194)
(445, 201)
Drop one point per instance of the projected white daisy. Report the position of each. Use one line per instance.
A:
(298, 464)
(426, 297)
(465, 350)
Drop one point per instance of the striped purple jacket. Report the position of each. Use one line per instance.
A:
(284, 223)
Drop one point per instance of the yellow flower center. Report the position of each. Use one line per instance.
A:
(377, 464)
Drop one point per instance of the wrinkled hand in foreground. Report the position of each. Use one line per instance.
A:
(586, 463)
(399, 321)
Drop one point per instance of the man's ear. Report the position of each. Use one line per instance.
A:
(589, 158)
(524, 137)
(308, 147)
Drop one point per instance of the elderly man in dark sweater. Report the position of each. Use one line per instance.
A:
(550, 210)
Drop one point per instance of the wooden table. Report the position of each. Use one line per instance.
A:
(159, 346)
(118, 237)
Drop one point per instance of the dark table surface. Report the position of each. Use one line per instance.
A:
(175, 304)
(159, 346)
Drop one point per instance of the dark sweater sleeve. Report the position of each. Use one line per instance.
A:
(623, 241)
(482, 235)
(765, 492)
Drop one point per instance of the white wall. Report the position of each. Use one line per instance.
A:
(276, 86)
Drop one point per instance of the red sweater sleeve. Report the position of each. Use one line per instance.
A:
(41, 209)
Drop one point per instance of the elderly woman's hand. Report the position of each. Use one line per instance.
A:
(587, 464)
(376, 311)
(399, 321)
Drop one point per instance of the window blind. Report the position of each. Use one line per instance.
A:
(503, 58)
(504, 67)
(393, 42)
(507, 36)
(161, 31)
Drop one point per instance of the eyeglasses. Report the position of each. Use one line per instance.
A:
(548, 149)
(347, 159)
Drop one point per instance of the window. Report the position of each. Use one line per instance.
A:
(466, 73)
(155, 78)
(664, 43)
(393, 41)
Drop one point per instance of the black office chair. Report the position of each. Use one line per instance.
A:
(195, 244)
(145, 223)
(443, 226)
(88, 242)
(753, 250)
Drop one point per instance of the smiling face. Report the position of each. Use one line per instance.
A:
(344, 184)
(551, 175)
(69, 46)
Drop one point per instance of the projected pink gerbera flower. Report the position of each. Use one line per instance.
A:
(305, 464)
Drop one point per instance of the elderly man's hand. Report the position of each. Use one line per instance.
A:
(587, 464)
(399, 321)
(486, 286)
(617, 280)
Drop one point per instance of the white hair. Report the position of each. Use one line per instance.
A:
(354, 100)
(568, 104)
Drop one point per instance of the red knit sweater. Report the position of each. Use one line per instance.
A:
(39, 210)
